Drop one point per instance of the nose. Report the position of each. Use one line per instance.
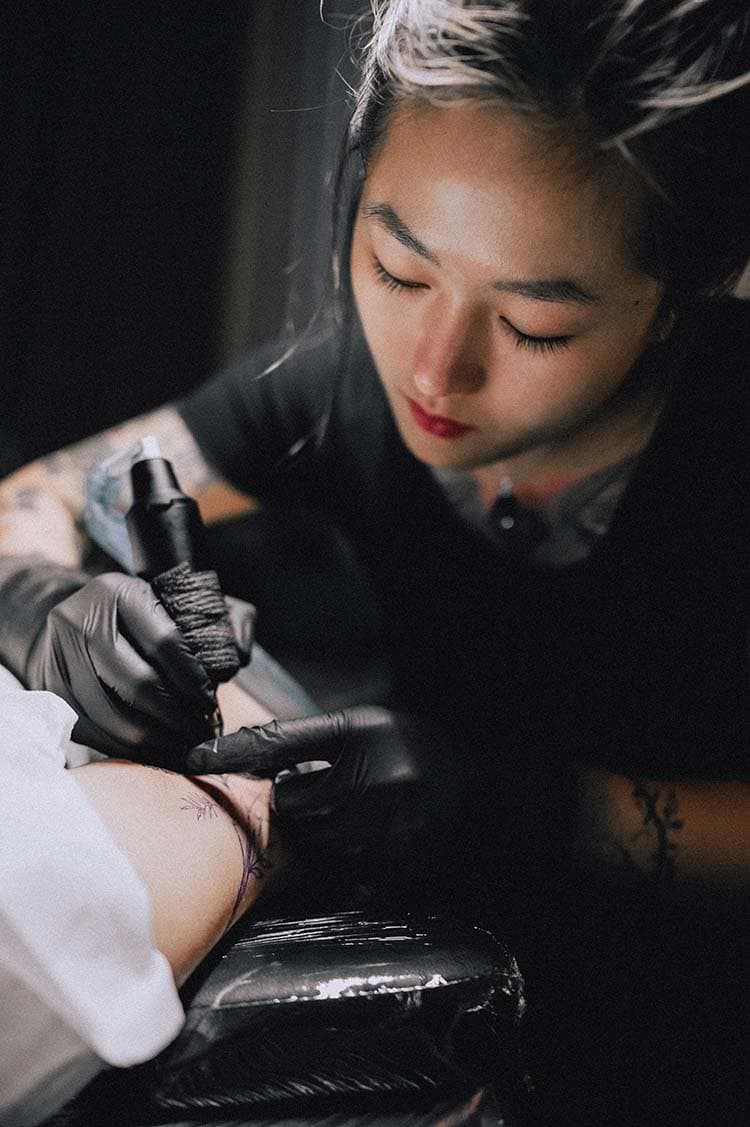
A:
(449, 359)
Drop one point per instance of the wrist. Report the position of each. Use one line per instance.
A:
(30, 586)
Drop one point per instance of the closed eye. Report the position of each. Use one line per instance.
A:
(390, 281)
(537, 344)
(522, 340)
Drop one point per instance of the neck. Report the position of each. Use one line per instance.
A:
(537, 475)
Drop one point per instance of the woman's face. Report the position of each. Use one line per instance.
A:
(494, 285)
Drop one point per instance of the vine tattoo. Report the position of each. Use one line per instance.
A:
(256, 863)
(659, 812)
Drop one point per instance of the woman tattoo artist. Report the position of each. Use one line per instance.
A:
(527, 413)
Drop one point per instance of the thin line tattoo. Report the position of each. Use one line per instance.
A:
(204, 807)
(255, 863)
(659, 812)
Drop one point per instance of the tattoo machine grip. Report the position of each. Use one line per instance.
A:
(168, 542)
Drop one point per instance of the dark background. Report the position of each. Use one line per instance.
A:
(164, 183)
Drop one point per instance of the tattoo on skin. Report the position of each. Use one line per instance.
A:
(79, 457)
(256, 863)
(33, 521)
(62, 474)
(659, 811)
(28, 499)
(203, 807)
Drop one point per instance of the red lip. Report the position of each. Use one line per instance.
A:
(437, 424)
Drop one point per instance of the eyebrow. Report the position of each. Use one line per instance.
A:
(539, 289)
(387, 217)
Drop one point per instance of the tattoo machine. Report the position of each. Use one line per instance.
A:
(161, 538)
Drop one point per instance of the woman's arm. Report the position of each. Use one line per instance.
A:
(685, 831)
(41, 505)
(205, 848)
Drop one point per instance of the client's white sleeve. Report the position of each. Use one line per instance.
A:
(80, 977)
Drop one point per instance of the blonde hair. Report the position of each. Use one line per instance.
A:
(662, 83)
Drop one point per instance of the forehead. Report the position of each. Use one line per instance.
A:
(480, 181)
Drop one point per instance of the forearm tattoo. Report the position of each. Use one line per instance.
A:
(628, 826)
(34, 521)
(175, 440)
(42, 505)
(659, 813)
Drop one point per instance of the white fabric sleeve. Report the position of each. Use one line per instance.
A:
(75, 917)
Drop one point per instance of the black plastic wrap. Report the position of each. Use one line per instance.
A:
(330, 1017)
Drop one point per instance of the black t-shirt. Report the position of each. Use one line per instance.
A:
(634, 659)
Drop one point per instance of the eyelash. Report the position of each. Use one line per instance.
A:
(536, 344)
(390, 282)
(522, 340)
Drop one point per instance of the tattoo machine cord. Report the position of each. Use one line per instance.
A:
(163, 541)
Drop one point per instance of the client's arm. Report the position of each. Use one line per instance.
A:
(205, 848)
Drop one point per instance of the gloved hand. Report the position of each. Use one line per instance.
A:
(375, 787)
(108, 648)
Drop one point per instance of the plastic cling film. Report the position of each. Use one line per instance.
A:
(108, 498)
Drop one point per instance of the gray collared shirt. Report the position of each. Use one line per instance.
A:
(561, 533)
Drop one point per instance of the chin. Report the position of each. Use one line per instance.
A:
(443, 454)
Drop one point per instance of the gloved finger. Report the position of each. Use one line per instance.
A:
(266, 749)
(117, 729)
(314, 808)
(242, 620)
(143, 619)
(138, 685)
(302, 796)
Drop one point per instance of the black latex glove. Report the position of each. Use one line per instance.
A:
(108, 648)
(376, 786)
(242, 617)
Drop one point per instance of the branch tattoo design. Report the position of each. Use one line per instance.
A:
(203, 807)
(659, 812)
(256, 863)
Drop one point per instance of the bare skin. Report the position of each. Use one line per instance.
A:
(486, 206)
(204, 848)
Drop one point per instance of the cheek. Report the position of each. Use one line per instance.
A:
(390, 321)
(367, 294)
(386, 324)
(555, 387)
(609, 361)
